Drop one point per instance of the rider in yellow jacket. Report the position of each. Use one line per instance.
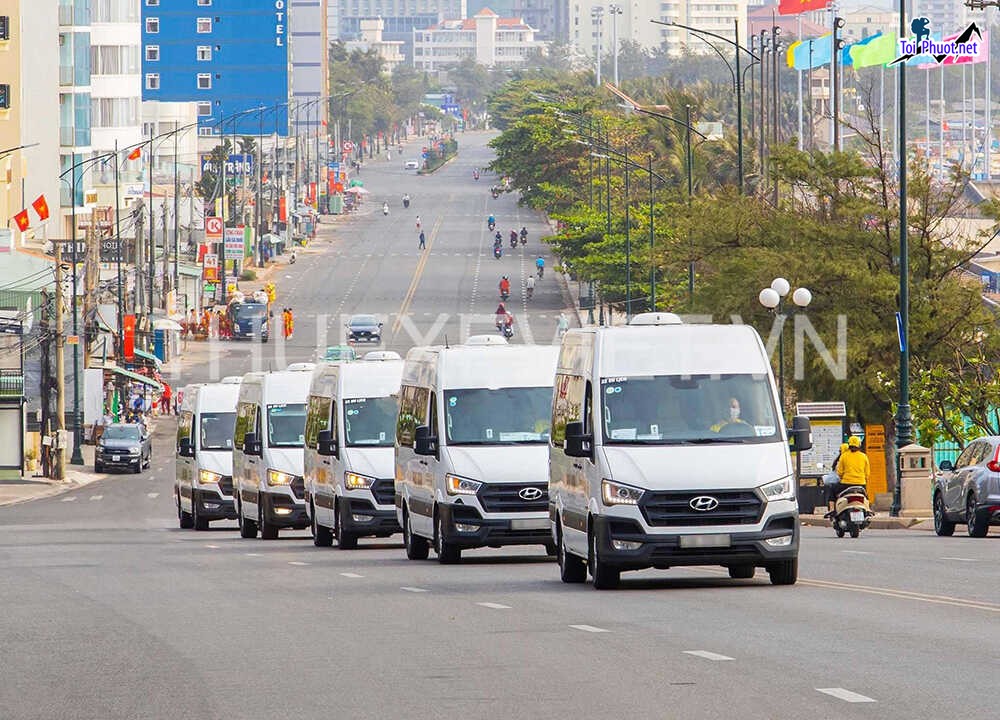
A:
(853, 467)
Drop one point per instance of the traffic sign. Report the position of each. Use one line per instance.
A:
(213, 228)
(348, 146)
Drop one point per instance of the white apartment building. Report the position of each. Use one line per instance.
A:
(631, 20)
(160, 118)
(390, 51)
(308, 56)
(489, 39)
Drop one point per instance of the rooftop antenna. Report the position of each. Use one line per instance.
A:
(446, 346)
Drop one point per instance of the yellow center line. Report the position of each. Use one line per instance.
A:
(408, 298)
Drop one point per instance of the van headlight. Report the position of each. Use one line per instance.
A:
(354, 481)
(133, 451)
(276, 477)
(461, 486)
(207, 477)
(778, 490)
(617, 494)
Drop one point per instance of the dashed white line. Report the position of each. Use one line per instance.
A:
(413, 589)
(351, 575)
(297, 562)
(212, 547)
(69, 499)
(152, 496)
(856, 552)
(958, 559)
(846, 695)
(96, 497)
(589, 628)
(252, 554)
(494, 606)
(707, 655)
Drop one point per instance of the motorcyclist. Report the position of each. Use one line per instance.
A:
(524, 235)
(491, 221)
(497, 239)
(562, 325)
(540, 264)
(501, 314)
(513, 238)
(853, 468)
(385, 208)
(505, 286)
(406, 200)
(508, 325)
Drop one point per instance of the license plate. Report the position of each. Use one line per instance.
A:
(705, 541)
(530, 524)
(116, 458)
(857, 516)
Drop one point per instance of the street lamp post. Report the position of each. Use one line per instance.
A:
(597, 16)
(771, 298)
(615, 11)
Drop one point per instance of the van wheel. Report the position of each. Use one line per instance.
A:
(199, 522)
(785, 572)
(267, 530)
(417, 548)
(551, 550)
(741, 572)
(322, 537)
(604, 576)
(345, 540)
(571, 568)
(942, 525)
(248, 528)
(183, 519)
(448, 553)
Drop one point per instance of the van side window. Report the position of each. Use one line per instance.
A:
(432, 415)
(588, 409)
(245, 414)
(185, 426)
(405, 422)
(567, 406)
(317, 419)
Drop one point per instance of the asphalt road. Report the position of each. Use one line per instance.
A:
(109, 611)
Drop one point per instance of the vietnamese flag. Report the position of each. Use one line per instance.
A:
(41, 207)
(794, 7)
(22, 220)
(135, 154)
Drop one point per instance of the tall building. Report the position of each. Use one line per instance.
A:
(634, 23)
(228, 56)
(487, 38)
(29, 116)
(946, 16)
(75, 137)
(401, 17)
(390, 51)
(308, 55)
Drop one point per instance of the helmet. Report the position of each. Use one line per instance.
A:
(854, 441)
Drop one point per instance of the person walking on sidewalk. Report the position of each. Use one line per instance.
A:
(418, 223)
(423, 241)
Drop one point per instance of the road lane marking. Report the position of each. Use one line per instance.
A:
(904, 595)
(493, 606)
(297, 562)
(417, 274)
(69, 499)
(846, 695)
(252, 554)
(707, 655)
(351, 575)
(589, 628)
(958, 559)
(413, 589)
(212, 547)
(96, 497)
(152, 496)
(856, 552)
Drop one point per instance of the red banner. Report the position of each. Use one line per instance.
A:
(41, 207)
(128, 337)
(794, 7)
(282, 209)
(22, 220)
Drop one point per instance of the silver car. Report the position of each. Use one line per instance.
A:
(968, 491)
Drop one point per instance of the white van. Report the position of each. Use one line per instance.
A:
(203, 485)
(472, 446)
(668, 448)
(267, 452)
(349, 468)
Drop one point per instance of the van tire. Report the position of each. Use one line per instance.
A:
(785, 572)
(345, 540)
(322, 537)
(741, 572)
(448, 553)
(551, 550)
(267, 530)
(248, 527)
(604, 576)
(198, 521)
(184, 520)
(571, 568)
(417, 548)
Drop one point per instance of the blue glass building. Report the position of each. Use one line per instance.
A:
(229, 56)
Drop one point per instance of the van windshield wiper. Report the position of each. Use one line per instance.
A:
(711, 441)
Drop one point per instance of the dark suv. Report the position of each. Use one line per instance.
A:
(968, 491)
(124, 446)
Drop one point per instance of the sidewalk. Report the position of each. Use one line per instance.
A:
(881, 521)
(31, 487)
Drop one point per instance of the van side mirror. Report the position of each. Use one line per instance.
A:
(326, 444)
(578, 443)
(946, 466)
(186, 448)
(800, 433)
(424, 443)
(252, 445)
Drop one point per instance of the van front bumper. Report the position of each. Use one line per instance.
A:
(664, 550)
(369, 520)
(282, 510)
(212, 505)
(479, 531)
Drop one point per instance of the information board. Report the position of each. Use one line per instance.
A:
(827, 436)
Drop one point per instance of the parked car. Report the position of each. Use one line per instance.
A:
(124, 446)
(411, 165)
(968, 491)
(364, 328)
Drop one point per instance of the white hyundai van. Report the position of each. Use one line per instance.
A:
(349, 468)
(668, 448)
(472, 447)
(203, 485)
(267, 452)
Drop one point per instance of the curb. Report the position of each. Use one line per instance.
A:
(877, 523)
(54, 489)
(431, 172)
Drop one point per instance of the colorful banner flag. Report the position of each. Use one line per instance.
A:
(877, 50)
(41, 207)
(135, 154)
(846, 60)
(22, 220)
(794, 7)
(811, 53)
(984, 52)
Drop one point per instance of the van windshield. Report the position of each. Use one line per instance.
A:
(691, 409)
(505, 416)
(286, 425)
(217, 431)
(370, 421)
(250, 311)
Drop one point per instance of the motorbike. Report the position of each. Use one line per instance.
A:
(504, 295)
(495, 194)
(541, 271)
(406, 202)
(497, 252)
(291, 260)
(492, 225)
(513, 242)
(508, 331)
(385, 209)
(530, 291)
(851, 512)
(524, 238)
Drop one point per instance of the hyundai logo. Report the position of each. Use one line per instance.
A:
(704, 503)
(530, 494)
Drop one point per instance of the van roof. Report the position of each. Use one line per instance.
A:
(211, 397)
(464, 366)
(276, 387)
(358, 379)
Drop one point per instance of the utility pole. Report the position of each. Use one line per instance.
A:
(59, 464)
(138, 215)
(166, 253)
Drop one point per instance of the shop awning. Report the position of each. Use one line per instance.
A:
(136, 377)
(148, 356)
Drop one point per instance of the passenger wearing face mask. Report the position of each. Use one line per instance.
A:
(733, 424)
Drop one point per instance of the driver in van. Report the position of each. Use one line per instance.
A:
(733, 422)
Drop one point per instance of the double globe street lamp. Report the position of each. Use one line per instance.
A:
(772, 298)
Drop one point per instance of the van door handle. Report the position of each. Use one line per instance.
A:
(423, 462)
(326, 462)
(578, 466)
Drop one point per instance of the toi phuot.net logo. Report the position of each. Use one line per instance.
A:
(965, 46)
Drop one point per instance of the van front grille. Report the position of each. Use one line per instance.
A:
(384, 491)
(674, 509)
(509, 498)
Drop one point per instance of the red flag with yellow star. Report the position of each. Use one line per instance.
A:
(41, 207)
(22, 220)
(794, 7)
